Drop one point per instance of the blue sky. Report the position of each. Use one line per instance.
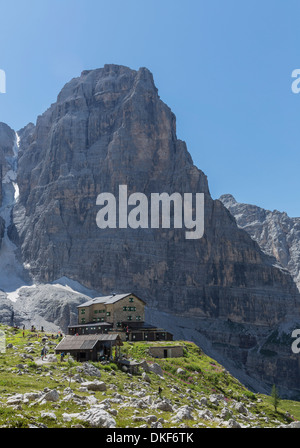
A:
(224, 67)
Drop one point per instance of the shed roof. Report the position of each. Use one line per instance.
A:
(86, 342)
(113, 298)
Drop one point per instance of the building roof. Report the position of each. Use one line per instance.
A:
(113, 298)
(92, 324)
(85, 342)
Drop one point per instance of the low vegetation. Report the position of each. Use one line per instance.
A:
(194, 383)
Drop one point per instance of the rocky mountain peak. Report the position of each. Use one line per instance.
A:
(108, 128)
(227, 199)
(277, 234)
(7, 138)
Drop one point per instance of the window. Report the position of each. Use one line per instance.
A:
(129, 317)
(131, 308)
(124, 308)
(102, 319)
(119, 324)
(83, 320)
(108, 313)
(83, 311)
(95, 311)
(138, 318)
(131, 299)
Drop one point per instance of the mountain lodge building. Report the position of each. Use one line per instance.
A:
(123, 314)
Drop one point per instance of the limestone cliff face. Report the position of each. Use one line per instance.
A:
(109, 127)
(276, 233)
(7, 141)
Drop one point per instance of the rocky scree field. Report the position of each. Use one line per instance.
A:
(197, 392)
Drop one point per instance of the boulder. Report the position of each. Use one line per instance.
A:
(233, 424)
(184, 413)
(214, 400)
(14, 400)
(203, 401)
(226, 414)
(51, 395)
(206, 414)
(49, 415)
(88, 369)
(164, 406)
(155, 368)
(94, 385)
(97, 417)
(68, 417)
(150, 418)
(241, 408)
(145, 366)
(145, 377)
(31, 396)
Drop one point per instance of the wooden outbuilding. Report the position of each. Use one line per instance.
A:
(92, 347)
(167, 351)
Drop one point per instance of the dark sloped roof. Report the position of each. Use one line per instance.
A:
(85, 342)
(113, 298)
(88, 345)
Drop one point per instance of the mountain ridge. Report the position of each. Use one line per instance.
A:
(276, 233)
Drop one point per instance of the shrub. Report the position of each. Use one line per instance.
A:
(32, 364)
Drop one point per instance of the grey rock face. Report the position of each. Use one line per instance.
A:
(2, 230)
(51, 306)
(7, 140)
(276, 233)
(6, 310)
(107, 128)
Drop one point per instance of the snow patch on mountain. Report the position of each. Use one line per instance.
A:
(74, 286)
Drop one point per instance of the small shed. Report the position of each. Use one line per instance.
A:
(92, 347)
(167, 351)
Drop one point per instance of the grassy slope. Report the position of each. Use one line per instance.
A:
(203, 377)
